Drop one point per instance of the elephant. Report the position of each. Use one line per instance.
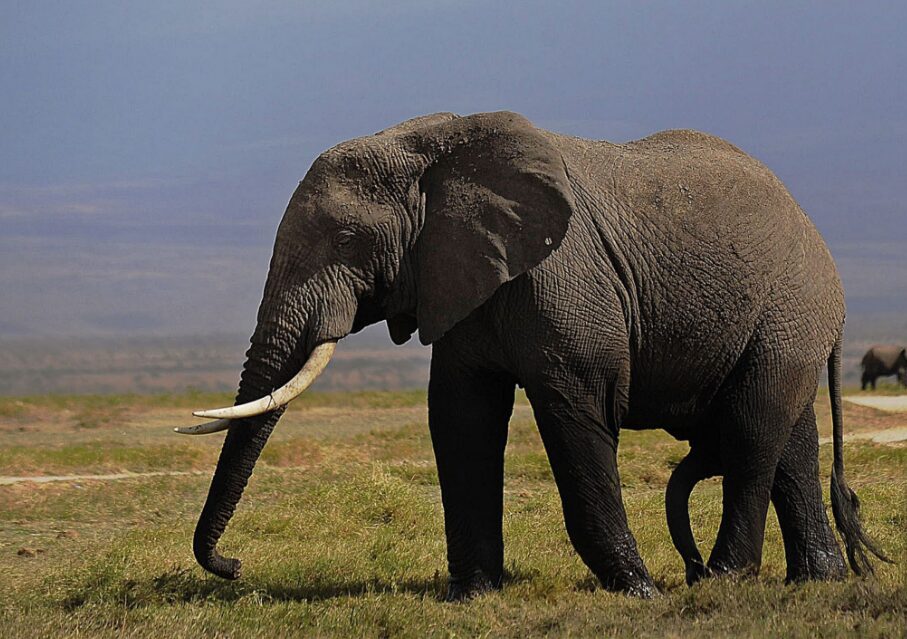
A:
(881, 360)
(667, 282)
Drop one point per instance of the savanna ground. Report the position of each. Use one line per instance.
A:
(341, 532)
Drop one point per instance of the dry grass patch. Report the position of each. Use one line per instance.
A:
(341, 533)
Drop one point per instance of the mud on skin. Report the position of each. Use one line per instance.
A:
(671, 280)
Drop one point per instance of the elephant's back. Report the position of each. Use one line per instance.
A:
(700, 213)
(732, 224)
(710, 212)
(672, 140)
(713, 251)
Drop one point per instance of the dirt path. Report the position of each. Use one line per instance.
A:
(894, 403)
(46, 479)
(886, 436)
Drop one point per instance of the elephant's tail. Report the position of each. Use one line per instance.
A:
(844, 502)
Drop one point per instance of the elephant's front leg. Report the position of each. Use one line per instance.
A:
(582, 450)
(469, 410)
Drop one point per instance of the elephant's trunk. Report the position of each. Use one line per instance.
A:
(237, 459)
(270, 362)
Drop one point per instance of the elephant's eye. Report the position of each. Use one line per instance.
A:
(343, 241)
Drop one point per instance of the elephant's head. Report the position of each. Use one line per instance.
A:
(417, 225)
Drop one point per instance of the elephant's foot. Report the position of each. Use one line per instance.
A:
(472, 585)
(633, 582)
(818, 565)
(735, 555)
(696, 570)
(732, 568)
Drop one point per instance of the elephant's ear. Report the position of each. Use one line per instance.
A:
(497, 203)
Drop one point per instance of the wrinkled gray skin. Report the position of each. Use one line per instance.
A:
(882, 360)
(669, 282)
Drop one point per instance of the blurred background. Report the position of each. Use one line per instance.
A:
(147, 150)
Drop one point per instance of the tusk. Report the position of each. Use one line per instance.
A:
(204, 429)
(313, 367)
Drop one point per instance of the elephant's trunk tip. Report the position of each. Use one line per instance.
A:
(212, 561)
(227, 568)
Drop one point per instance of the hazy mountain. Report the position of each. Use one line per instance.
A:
(213, 362)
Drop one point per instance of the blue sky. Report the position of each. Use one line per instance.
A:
(147, 150)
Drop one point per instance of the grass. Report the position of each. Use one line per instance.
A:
(341, 533)
(882, 388)
(93, 411)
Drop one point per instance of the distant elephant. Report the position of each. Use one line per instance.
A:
(882, 360)
(671, 281)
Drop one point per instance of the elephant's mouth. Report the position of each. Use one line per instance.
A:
(313, 367)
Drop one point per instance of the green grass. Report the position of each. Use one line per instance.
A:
(882, 388)
(341, 534)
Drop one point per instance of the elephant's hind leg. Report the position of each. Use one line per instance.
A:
(809, 543)
(757, 408)
(469, 410)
